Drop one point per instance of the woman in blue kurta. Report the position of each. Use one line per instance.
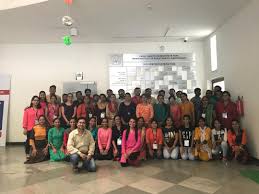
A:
(55, 138)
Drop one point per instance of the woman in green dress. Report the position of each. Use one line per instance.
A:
(208, 112)
(55, 138)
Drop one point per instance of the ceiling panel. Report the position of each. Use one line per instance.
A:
(117, 20)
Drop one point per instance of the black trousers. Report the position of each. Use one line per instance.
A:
(27, 144)
(99, 156)
(155, 156)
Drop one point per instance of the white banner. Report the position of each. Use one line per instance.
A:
(4, 106)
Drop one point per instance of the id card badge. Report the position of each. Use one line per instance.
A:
(155, 147)
(203, 115)
(36, 121)
(90, 115)
(102, 115)
(224, 115)
(119, 141)
(186, 143)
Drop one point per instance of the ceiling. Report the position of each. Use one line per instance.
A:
(101, 21)
(9, 4)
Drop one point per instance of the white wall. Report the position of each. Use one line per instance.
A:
(35, 67)
(238, 63)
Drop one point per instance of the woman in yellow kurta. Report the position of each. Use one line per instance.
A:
(202, 139)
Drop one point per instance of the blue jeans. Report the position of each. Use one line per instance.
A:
(89, 165)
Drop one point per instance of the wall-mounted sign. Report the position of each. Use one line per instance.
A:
(4, 103)
(156, 59)
(156, 71)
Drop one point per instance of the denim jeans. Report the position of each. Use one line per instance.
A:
(89, 165)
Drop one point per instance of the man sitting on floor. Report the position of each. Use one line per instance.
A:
(81, 146)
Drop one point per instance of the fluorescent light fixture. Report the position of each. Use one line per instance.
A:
(9, 4)
(213, 53)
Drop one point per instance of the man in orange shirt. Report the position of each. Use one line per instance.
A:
(187, 108)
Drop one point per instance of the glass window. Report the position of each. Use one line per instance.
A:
(219, 82)
(213, 53)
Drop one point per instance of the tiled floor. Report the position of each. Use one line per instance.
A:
(165, 176)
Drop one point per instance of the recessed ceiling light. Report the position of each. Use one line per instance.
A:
(186, 39)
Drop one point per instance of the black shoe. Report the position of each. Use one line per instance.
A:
(76, 169)
(27, 160)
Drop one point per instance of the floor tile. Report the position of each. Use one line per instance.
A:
(126, 178)
(151, 185)
(32, 189)
(55, 186)
(46, 166)
(80, 178)
(100, 186)
(216, 171)
(127, 190)
(177, 189)
(239, 185)
(145, 170)
(201, 184)
(171, 176)
(153, 176)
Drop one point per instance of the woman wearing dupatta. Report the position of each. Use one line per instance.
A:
(207, 112)
(175, 112)
(202, 139)
(111, 110)
(237, 140)
(52, 110)
(86, 109)
(72, 123)
(55, 138)
(143, 148)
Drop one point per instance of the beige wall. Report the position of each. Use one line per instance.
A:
(35, 67)
(238, 63)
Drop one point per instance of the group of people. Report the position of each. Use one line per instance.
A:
(130, 129)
